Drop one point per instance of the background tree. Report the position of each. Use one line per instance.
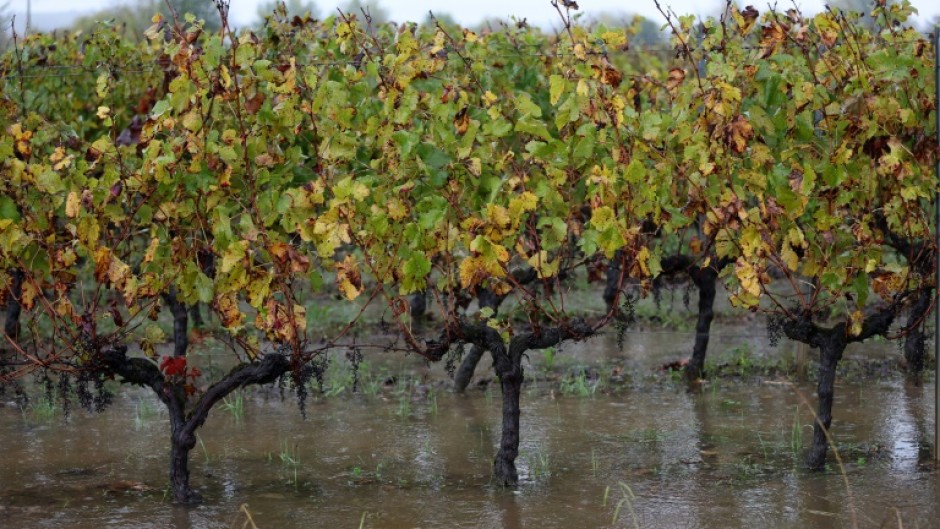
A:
(292, 8)
(6, 21)
(136, 15)
(379, 14)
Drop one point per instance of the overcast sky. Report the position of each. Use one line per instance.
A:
(470, 12)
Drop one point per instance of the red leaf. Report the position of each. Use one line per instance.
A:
(173, 366)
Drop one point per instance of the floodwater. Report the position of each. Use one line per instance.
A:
(646, 454)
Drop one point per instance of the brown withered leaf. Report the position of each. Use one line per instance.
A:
(875, 147)
(750, 16)
(253, 105)
(612, 77)
(796, 180)
(608, 75)
(828, 35)
(772, 35)
(738, 134)
(887, 284)
(287, 258)
(462, 121)
(282, 323)
(676, 76)
(29, 295)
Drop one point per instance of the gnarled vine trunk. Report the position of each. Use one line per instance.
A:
(11, 325)
(507, 359)
(831, 343)
(418, 305)
(915, 340)
(705, 280)
(195, 314)
(504, 465)
(182, 441)
(612, 284)
(180, 323)
(468, 365)
(183, 424)
(830, 352)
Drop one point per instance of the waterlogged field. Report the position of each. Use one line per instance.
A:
(608, 440)
(781, 161)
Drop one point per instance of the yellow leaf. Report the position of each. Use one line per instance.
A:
(582, 88)
(227, 307)
(579, 52)
(118, 272)
(748, 278)
(233, 255)
(543, 266)
(130, 290)
(475, 166)
(472, 272)
(397, 209)
(151, 250)
(59, 159)
(790, 258)
(888, 284)
(855, 323)
(500, 288)
(72, 205)
(498, 215)
(643, 257)
(102, 263)
(527, 201)
(64, 308)
(348, 278)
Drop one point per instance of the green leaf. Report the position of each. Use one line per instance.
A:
(162, 107)
(50, 182)
(527, 107)
(8, 209)
(556, 88)
(414, 273)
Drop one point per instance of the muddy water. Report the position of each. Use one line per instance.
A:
(654, 455)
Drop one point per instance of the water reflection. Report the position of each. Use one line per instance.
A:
(714, 458)
(182, 518)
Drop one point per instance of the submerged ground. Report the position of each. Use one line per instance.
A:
(609, 439)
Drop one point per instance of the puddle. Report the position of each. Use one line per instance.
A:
(726, 457)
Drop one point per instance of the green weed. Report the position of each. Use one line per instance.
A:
(202, 445)
(235, 406)
(627, 499)
(579, 385)
(538, 463)
(404, 406)
(144, 411)
(41, 408)
(548, 359)
(290, 460)
(796, 432)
